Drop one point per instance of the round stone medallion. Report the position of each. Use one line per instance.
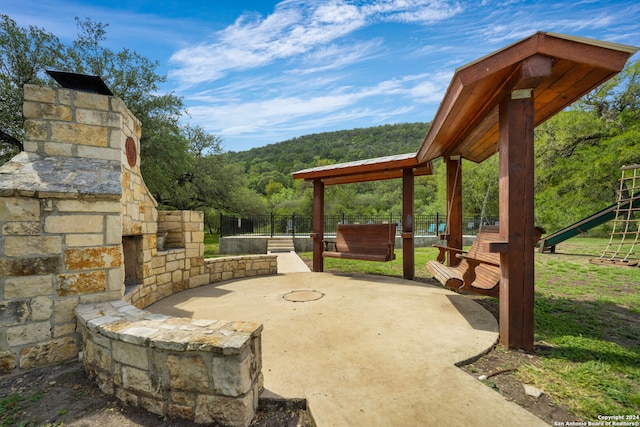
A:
(303, 296)
(132, 151)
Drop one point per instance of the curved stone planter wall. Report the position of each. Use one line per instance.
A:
(216, 270)
(208, 371)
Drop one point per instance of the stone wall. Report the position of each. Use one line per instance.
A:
(239, 267)
(177, 266)
(205, 370)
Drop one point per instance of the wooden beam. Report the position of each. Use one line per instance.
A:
(516, 222)
(408, 259)
(318, 225)
(421, 170)
(454, 208)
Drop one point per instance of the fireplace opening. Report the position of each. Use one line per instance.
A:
(131, 248)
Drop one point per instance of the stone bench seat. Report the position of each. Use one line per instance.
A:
(208, 371)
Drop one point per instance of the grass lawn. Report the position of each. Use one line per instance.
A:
(587, 326)
(211, 245)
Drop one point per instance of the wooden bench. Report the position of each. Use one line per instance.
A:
(478, 270)
(368, 242)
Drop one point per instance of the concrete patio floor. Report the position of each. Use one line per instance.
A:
(371, 350)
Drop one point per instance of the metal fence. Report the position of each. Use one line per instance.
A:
(280, 225)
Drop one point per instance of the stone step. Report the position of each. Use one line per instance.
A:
(280, 244)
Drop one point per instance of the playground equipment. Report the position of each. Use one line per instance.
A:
(625, 233)
(548, 243)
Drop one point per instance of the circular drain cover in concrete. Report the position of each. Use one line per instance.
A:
(303, 296)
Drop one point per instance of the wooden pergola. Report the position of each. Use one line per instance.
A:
(492, 105)
(403, 166)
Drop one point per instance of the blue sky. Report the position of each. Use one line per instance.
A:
(260, 72)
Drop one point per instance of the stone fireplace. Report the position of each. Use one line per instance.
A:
(78, 225)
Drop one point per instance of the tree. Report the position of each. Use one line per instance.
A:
(24, 55)
(579, 152)
(480, 192)
(179, 162)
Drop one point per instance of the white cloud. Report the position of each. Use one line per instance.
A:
(334, 56)
(316, 108)
(295, 29)
(412, 11)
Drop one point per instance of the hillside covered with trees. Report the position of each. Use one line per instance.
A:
(579, 152)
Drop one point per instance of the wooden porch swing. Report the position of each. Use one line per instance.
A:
(478, 269)
(366, 242)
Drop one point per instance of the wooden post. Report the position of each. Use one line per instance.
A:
(408, 260)
(318, 225)
(454, 208)
(515, 143)
(517, 221)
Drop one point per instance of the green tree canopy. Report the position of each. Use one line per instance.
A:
(25, 53)
(180, 163)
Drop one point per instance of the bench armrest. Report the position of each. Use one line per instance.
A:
(443, 251)
(328, 242)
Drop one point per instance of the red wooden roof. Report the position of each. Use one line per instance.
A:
(466, 123)
(365, 170)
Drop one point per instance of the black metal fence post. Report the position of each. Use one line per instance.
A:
(272, 224)
(293, 225)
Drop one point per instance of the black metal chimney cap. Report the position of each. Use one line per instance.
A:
(81, 82)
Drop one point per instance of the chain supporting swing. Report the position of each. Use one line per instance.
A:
(625, 234)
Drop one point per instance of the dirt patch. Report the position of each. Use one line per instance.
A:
(63, 395)
(497, 370)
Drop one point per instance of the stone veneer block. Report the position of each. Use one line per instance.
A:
(188, 373)
(91, 101)
(48, 353)
(69, 284)
(92, 258)
(56, 112)
(39, 94)
(28, 333)
(98, 118)
(84, 240)
(25, 287)
(32, 245)
(19, 209)
(60, 224)
(85, 206)
(130, 354)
